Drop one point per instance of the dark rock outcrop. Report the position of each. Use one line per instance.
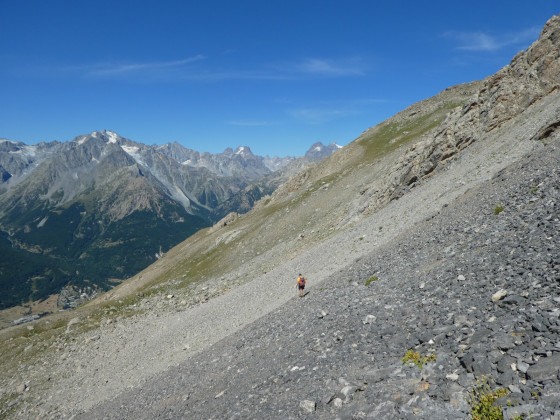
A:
(532, 75)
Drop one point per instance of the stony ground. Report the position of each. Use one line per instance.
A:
(480, 291)
(257, 351)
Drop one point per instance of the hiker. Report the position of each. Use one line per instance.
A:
(300, 284)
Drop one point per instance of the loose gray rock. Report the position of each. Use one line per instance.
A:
(519, 411)
(545, 368)
(73, 321)
(308, 406)
(499, 295)
(522, 366)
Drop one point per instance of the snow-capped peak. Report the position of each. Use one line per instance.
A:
(243, 151)
(112, 136)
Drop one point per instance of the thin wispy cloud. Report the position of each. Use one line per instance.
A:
(329, 67)
(148, 71)
(108, 70)
(316, 116)
(171, 71)
(201, 68)
(482, 41)
(121, 69)
(295, 70)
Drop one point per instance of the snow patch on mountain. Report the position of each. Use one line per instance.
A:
(241, 150)
(180, 197)
(112, 136)
(131, 150)
(135, 153)
(42, 222)
(27, 151)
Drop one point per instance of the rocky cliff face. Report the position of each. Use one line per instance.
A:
(531, 75)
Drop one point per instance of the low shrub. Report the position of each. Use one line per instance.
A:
(481, 399)
(414, 358)
(371, 280)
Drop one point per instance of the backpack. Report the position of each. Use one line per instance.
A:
(301, 281)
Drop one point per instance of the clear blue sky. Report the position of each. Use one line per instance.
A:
(276, 76)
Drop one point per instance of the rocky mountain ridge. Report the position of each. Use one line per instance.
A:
(453, 258)
(228, 163)
(67, 206)
(531, 75)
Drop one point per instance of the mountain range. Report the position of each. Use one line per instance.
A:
(88, 213)
(430, 247)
